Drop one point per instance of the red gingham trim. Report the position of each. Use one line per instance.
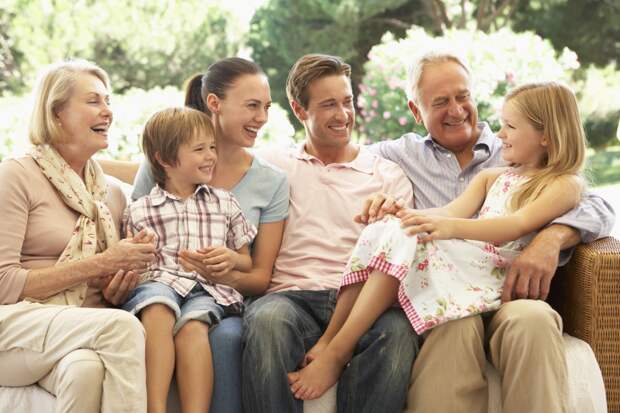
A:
(397, 271)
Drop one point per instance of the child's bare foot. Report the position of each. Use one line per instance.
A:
(314, 352)
(317, 377)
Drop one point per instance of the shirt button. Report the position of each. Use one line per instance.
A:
(461, 179)
(449, 155)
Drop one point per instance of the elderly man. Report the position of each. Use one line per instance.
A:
(524, 336)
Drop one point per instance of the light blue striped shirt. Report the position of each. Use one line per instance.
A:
(437, 179)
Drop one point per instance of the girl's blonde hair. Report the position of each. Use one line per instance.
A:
(551, 108)
(53, 90)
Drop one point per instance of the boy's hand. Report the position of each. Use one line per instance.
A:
(219, 260)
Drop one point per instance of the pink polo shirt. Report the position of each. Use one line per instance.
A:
(320, 233)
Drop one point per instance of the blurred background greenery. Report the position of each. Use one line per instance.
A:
(150, 47)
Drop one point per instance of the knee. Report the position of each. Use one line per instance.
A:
(81, 371)
(530, 320)
(271, 322)
(397, 342)
(466, 332)
(127, 324)
(193, 332)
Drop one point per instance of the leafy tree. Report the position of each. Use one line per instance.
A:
(140, 43)
(280, 34)
(589, 27)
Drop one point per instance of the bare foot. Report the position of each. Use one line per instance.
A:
(317, 377)
(314, 352)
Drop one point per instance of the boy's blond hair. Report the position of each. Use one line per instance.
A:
(551, 108)
(166, 131)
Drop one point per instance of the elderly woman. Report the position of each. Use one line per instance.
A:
(60, 255)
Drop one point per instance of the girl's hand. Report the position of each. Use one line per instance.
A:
(427, 227)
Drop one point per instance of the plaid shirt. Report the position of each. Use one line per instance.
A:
(210, 217)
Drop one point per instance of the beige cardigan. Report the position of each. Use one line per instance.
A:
(36, 225)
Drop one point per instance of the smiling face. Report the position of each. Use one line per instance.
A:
(194, 166)
(330, 115)
(522, 143)
(243, 111)
(86, 116)
(446, 107)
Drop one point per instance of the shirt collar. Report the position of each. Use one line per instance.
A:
(485, 140)
(160, 195)
(363, 162)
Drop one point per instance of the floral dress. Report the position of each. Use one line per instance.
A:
(440, 280)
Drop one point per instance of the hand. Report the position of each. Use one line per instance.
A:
(194, 261)
(530, 274)
(435, 227)
(115, 288)
(134, 253)
(377, 206)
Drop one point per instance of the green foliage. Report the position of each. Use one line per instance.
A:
(281, 33)
(141, 43)
(499, 60)
(589, 27)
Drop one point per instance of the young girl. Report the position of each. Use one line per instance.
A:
(444, 265)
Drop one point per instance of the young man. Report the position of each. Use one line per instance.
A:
(330, 177)
(524, 337)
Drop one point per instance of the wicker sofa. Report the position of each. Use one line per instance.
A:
(586, 292)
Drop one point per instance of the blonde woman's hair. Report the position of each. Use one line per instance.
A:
(431, 58)
(551, 108)
(166, 131)
(53, 90)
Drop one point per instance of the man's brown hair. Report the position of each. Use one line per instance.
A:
(311, 67)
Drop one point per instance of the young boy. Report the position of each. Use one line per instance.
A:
(176, 306)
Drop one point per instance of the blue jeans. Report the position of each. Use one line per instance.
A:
(225, 340)
(280, 327)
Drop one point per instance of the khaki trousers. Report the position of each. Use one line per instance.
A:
(92, 360)
(524, 339)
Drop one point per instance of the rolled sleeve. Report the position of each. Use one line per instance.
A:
(594, 218)
(144, 182)
(240, 231)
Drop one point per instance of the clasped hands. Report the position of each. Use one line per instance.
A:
(211, 263)
(126, 260)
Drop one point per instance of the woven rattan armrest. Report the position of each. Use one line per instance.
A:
(586, 292)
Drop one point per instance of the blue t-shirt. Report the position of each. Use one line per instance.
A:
(263, 191)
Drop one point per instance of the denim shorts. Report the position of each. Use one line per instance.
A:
(198, 304)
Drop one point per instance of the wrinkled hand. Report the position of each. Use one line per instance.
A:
(427, 227)
(116, 288)
(377, 206)
(530, 274)
(134, 253)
